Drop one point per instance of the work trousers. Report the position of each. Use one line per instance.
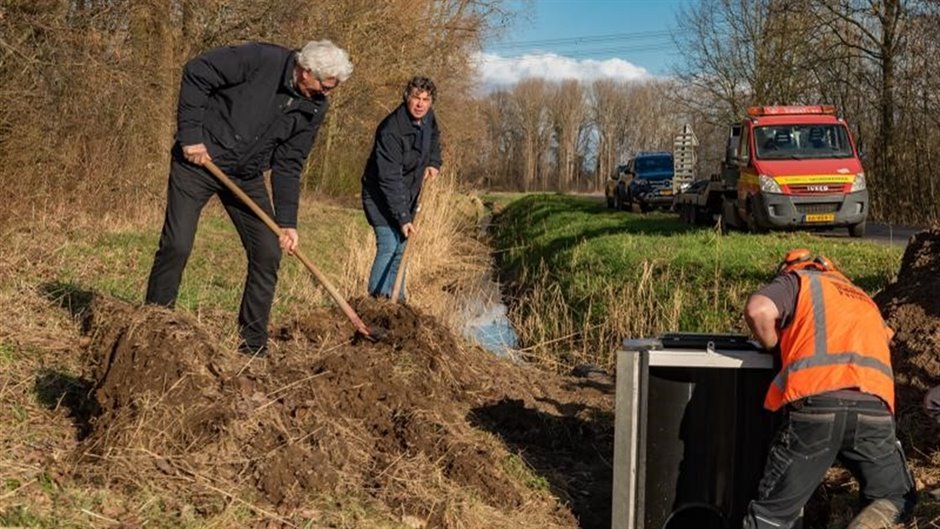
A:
(389, 247)
(816, 432)
(189, 189)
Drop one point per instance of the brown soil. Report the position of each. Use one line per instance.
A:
(418, 421)
(911, 306)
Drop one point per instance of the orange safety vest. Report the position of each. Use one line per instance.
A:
(835, 340)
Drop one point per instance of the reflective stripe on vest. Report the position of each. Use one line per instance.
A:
(871, 368)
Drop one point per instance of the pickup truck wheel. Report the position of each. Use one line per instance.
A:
(645, 208)
(857, 230)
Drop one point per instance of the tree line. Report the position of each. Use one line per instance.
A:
(571, 135)
(89, 86)
(89, 91)
(875, 60)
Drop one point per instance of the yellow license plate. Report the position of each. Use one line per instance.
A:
(820, 217)
(667, 191)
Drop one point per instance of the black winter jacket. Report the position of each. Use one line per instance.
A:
(394, 173)
(240, 102)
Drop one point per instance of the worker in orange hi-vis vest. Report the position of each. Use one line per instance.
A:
(836, 389)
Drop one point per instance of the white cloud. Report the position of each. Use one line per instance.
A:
(497, 71)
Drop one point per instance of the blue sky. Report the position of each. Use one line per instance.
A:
(586, 39)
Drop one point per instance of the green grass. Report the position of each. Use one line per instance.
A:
(518, 469)
(613, 269)
(118, 262)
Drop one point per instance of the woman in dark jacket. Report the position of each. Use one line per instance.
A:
(406, 151)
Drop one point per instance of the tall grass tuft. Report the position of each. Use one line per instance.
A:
(447, 260)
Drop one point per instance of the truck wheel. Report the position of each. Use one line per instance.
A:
(645, 208)
(752, 225)
(722, 224)
(690, 214)
(857, 230)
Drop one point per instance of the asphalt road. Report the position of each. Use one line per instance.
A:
(888, 234)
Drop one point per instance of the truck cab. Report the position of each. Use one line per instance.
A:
(650, 182)
(797, 167)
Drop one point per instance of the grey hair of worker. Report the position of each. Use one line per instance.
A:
(324, 60)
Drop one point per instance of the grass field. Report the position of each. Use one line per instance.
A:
(583, 278)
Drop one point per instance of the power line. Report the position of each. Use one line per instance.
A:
(586, 53)
(586, 39)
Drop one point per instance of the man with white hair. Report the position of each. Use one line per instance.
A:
(247, 108)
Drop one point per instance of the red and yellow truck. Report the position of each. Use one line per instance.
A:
(786, 167)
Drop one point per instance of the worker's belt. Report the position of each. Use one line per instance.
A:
(840, 399)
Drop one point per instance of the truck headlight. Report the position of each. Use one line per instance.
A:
(768, 184)
(859, 183)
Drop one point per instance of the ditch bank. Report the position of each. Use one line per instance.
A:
(426, 430)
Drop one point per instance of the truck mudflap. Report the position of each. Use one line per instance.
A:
(775, 210)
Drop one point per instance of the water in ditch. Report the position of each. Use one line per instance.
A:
(487, 320)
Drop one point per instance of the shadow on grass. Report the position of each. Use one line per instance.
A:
(571, 454)
(70, 297)
(56, 389)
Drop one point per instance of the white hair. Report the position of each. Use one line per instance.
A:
(325, 59)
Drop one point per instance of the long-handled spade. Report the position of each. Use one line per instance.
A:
(373, 334)
(400, 274)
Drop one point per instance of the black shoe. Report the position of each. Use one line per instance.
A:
(257, 351)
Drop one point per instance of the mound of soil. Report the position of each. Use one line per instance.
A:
(911, 306)
(420, 424)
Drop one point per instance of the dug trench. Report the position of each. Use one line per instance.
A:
(428, 429)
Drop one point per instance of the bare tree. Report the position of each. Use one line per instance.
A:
(568, 111)
(874, 30)
(744, 52)
(608, 106)
(528, 113)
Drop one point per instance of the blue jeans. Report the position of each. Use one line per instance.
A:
(817, 431)
(389, 246)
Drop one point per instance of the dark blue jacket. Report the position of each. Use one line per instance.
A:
(394, 173)
(240, 102)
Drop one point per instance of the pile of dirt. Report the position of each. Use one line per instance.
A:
(426, 428)
(911, 306)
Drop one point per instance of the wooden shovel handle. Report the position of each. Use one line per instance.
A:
(254, 207)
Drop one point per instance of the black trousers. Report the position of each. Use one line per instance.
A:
(189, 189)
(816, 432)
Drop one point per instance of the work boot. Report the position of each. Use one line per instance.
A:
(257, 351)
(879, 514)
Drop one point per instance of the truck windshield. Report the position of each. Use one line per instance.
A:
(652, 164)
(806, 141)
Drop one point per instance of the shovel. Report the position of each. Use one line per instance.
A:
(400, 274)
(361, 327)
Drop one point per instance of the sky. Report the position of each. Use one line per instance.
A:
(583, 39)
